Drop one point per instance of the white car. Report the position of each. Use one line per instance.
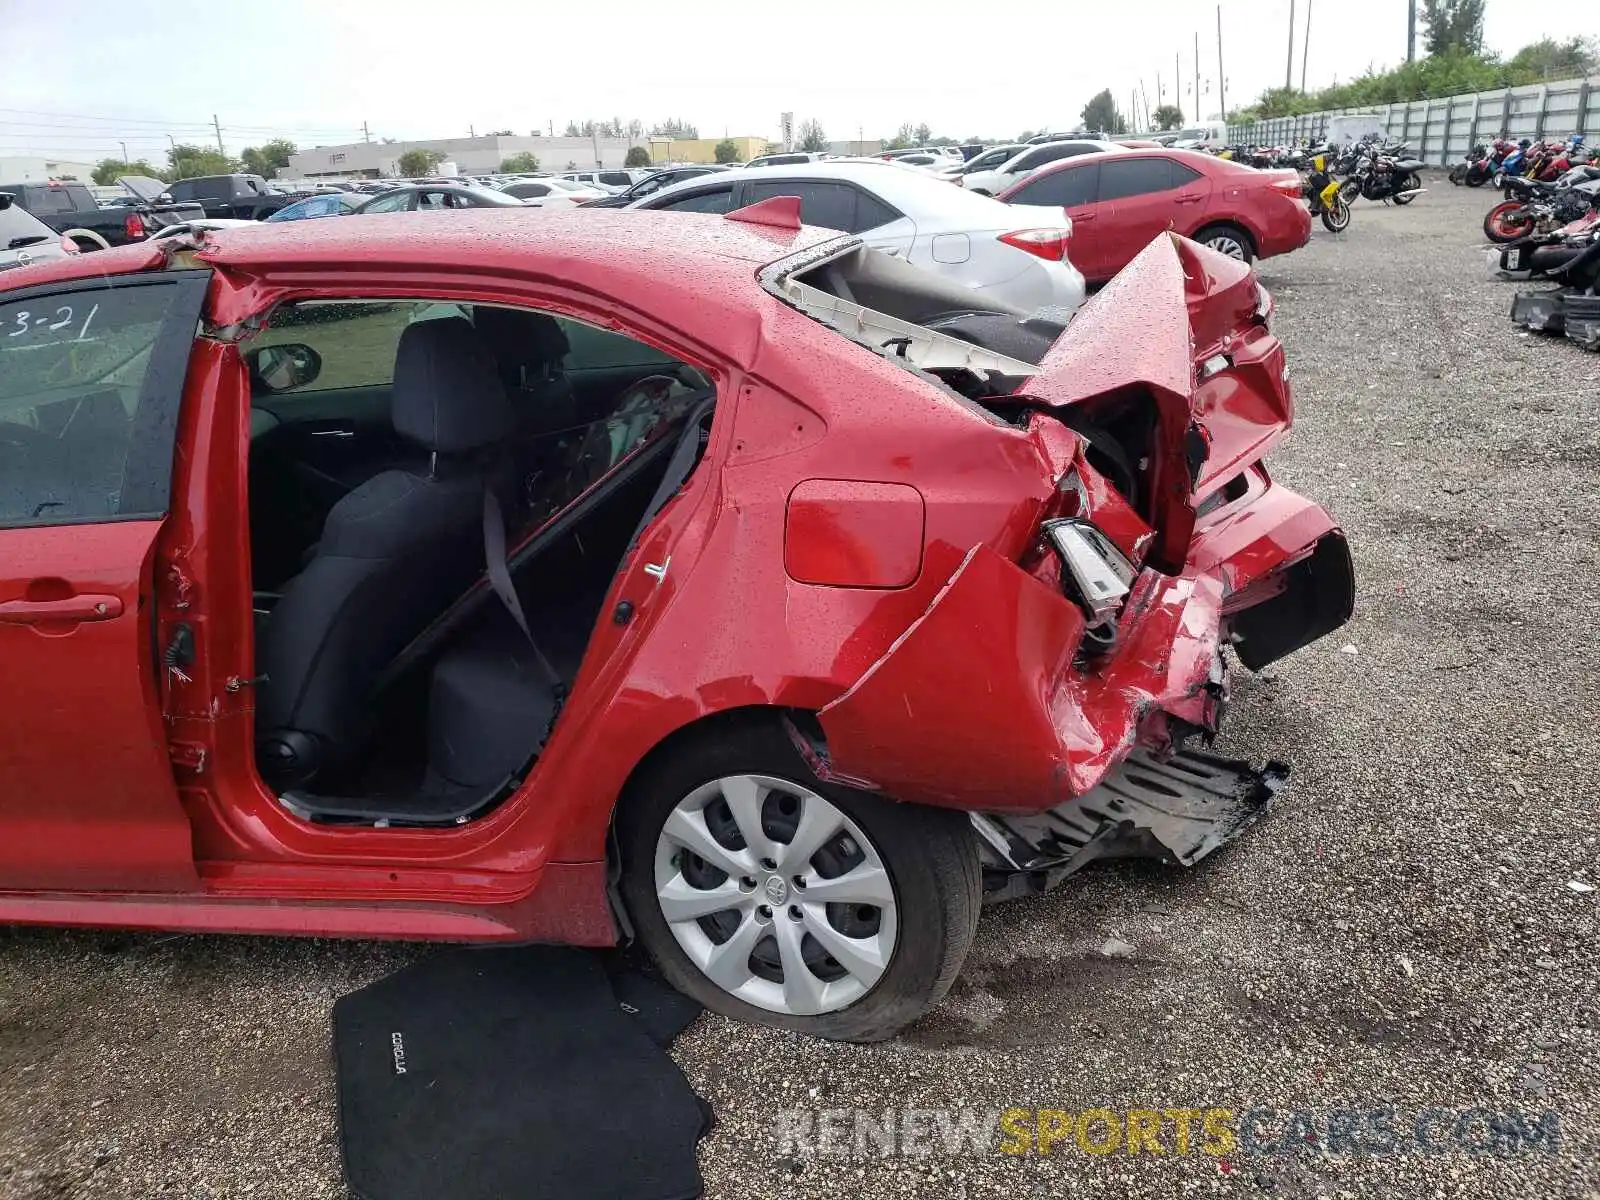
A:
(551, 193)
(993, 180)
(612, 181)
(792, 159)
(1014, 254)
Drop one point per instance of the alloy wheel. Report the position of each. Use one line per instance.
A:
(1226, 243)
(775, 895)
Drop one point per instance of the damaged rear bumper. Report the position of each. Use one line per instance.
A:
(1176, 810)
(989, 703)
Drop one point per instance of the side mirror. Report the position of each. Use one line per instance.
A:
(283, 368)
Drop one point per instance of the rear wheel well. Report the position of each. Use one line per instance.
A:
(1232, 227)
(723, 723)
(87, 240)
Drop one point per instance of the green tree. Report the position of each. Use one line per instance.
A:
(268, 159)
(573, 129)
(1454, 25)
(185, 162)
(1169, 116)
(1101, 115)
(922, 134)
(518, 163)
(676, 128)
(727, 151)
(107, 170)
(419, 162)
(1549, 59)
(904, 138)
(812, 137)
(637, 156)
(501, 133)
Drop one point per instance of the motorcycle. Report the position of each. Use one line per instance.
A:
(1534, 208)
(1482, 164)
(1383, 173)
(1322, 190)
(1573, 306)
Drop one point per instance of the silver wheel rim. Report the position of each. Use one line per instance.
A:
(801, 924)
(1224, 243)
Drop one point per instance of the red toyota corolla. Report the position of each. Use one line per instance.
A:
(1119, 202)
(712, 581)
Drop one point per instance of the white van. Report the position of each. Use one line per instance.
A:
(1207, 135)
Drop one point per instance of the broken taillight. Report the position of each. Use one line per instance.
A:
(1048, 244)
(133, 225)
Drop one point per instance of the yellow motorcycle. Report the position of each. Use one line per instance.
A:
(1323, 191)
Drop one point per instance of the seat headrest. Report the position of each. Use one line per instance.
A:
(524, 344)
(447, 395)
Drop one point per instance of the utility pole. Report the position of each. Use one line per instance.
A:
(1288, 67)
(124, 146)
(366, 134)
(472, 131)
(1145, 96)
(217, 125)
(1177, 79)
(1198, 114)
(1222, 80)
(1305, 48)
(1411, 31)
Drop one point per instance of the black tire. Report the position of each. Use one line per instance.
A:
(930, 855)
(1336, 219)
(1350, 190)
(1406, 184)
(1228, 230)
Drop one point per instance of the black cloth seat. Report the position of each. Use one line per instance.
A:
(394, 554)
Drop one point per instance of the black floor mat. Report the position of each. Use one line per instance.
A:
(516, 1075)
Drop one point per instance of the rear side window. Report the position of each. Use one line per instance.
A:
(1124, 177)
(830, 205)
(616, 178)
(90, 382)
(1068, 187)
(716, 201)
(45, 200)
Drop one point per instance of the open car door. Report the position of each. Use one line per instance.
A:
(91, 378)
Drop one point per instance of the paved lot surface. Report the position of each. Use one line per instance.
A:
(1399, 933)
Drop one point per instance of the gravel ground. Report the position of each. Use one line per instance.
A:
(1400, 933)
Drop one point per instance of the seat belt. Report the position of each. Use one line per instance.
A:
(684, 455)
(494, 556)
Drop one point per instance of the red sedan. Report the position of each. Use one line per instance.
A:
(1118, 203)
(544, 576)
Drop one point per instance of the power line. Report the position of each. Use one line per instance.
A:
(166, 124)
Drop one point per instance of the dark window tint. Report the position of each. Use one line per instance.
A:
(44, 200)
(89, 386)
(830, 205)
(872, 212)
(526, 191)
(183, 189)
(1067, 187)
(616, 178)
(716, 201)
(1122, 177)
(1049, 154)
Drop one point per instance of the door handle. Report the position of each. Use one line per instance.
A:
(1189, 199)
(1079, 219)
(87, 607)
(334, 433)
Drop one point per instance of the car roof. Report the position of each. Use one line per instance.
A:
(1204, 163)
(906, 188)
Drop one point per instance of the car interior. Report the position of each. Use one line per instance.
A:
(441, 495)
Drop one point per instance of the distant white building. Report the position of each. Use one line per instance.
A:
(25, 169)
(472, 156)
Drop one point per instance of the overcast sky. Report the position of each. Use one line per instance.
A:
(78, 75)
